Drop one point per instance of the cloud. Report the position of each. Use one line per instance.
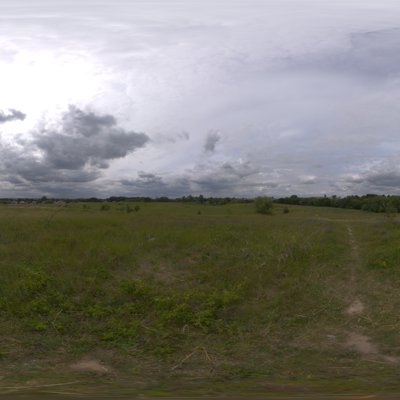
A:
(307, 180)
(86, 139)
(151, 184)
(210, 141)
(271, 185)
(355, 178)
(145, 180)
(74, 148)
(389, 178)
(13, 115)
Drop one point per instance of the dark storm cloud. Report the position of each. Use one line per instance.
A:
(210, 140)
(76, 121)
(74, 149)
(150, 184)
(389, 178)
(383, 177)
(13, 115)
(145, 180)
(86, 139)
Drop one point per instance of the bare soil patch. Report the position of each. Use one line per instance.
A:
(355, 308)
(89, 365)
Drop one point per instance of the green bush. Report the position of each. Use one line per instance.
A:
(286, 210)
(105, 207)
(263, 205)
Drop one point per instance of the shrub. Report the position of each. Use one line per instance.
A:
(263, 205)
(137, 208)
(105, 207)
(286, 210)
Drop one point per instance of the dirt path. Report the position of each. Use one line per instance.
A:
(357, 340)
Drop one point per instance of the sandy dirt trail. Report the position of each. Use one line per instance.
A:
(355, 340)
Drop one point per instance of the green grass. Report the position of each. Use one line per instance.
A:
(167, 294)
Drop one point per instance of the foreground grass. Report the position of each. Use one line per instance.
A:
(224, 300)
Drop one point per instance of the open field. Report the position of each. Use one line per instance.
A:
(169, 301)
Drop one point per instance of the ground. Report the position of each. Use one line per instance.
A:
(166, 301)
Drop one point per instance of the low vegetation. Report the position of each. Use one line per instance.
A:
(180, 297)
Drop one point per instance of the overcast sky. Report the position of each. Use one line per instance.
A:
(215, 97)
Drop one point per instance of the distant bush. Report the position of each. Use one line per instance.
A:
(263, 205)
(130, 209)
(286, 210)
(105, 207)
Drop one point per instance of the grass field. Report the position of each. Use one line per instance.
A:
(180, 298)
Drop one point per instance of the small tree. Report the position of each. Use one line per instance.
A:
(286, 210)
(263, 205)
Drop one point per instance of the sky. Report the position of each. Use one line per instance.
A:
(238, 98)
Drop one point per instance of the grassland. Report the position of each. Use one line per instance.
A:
(194, 299)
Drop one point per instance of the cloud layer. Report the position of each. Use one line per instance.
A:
(239, 98)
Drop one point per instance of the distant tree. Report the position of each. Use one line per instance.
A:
(201, 199)
(395, 202)
(163, 199)
(263, 205)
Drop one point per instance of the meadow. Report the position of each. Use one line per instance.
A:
(182, 298)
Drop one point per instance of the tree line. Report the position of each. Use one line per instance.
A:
(215, 201)
(369, 202)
